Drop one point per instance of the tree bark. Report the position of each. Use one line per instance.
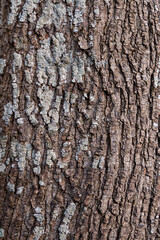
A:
(80, 102)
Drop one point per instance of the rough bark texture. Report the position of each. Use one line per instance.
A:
(80, 105)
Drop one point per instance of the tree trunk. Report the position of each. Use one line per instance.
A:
(80, 102)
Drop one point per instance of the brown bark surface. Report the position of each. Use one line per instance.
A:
(80, 103)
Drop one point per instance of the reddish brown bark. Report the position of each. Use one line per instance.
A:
(80, 105)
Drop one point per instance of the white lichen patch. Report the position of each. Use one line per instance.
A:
(52, 74)
(59, 15)
(38, 232)
(46, 17)
(29, 151)
(39, 217)
(98, 162)
(45, 96)
(96, 11)
(1, 232)
(46, 59)
(2, 65)
(38, 209)
(84, 144)
(11, 187)
(28, 9)
(56, 212)
(2, 167)
(14, 11)
(78, 14)
(31, 110)
(64, 153)
(66, 105)
(3, 142)
(13, 165)
(73, 98)
(29, 62)
(8, 111)
(95, 162)
(41, 183)
(52, 13)
(36, 160)
(30, 59)
(63, 73)
(44, 54)
(28, 76)
(51, 156)
(37, 170)
(19, 153)
(157, 78)
(17, 61)
(54, 114)
(106, 2)
(21, 150)
(44, 62)
(36, 157)
(101, 162)
(62, 165)
(20, 190)
(16, 93)
(155, 125)
(64, 227)
(78, 70)
(20, 121)
(59, 47)
(8, 161)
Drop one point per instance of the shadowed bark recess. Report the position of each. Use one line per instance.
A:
(79, 129)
